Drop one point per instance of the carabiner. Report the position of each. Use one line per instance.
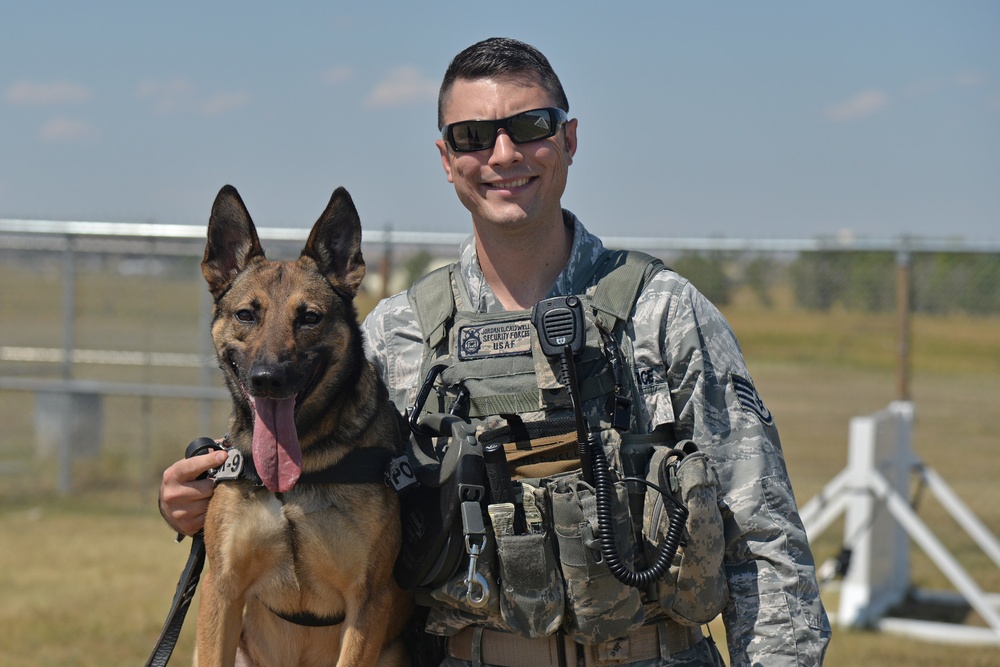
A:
(474, 580)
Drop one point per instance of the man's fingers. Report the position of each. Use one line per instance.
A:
(183, 497)
(188, 470)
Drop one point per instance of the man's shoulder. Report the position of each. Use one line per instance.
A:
(389, 313)
(665, 283)
(670, 295)
(391, 304)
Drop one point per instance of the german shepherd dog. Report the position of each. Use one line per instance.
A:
(300, 567)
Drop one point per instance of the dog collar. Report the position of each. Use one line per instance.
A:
(369, 465)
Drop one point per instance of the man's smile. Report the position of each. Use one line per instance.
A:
(508, 185)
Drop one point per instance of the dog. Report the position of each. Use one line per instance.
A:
(301, 551)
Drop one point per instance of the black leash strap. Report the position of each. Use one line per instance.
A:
(186, 587)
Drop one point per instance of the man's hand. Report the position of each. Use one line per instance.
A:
(183, 497)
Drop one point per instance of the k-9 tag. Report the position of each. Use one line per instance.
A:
(232, 467)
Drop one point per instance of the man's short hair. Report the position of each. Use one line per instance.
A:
(501, 57)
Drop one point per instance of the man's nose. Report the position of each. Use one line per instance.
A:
(504, 149)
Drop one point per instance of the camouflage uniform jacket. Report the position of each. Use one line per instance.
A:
(691, 373)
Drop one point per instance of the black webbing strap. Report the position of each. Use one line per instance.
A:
(186, 587)
(364, 465)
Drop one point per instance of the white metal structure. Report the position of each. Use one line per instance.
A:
(878, 524)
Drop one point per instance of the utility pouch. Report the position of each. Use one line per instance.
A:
(694, 590)
(531, 600)
(598, 606)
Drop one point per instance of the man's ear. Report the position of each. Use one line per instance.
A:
(569, 134)
(445, 158)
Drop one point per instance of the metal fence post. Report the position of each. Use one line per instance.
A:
(64, 457)
(68, 307)
(903, 323)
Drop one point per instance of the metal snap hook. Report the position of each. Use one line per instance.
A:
(477, 593)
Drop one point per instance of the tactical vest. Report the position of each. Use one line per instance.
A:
(540, 551)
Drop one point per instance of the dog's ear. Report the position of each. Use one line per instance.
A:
(335, 242)
(232, 241)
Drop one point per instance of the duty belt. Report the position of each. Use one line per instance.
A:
(481, 646)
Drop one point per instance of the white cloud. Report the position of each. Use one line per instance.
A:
(224, 103)
(861, 105)
(60, 130)
(29, 93)
(179, 96)
(337, 75)
(405, 85)
(167, 96)
(924, 88)
(969, 79)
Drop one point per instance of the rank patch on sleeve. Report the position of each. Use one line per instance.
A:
(749, 399)
(499, 339)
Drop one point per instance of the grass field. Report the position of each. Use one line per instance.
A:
(87, 579)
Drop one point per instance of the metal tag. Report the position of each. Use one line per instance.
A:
(400, 474)
(232, 467)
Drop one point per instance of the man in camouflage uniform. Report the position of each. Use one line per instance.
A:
(689, 373)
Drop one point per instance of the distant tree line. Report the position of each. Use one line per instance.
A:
(865, 281)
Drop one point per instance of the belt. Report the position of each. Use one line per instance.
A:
(482, 646)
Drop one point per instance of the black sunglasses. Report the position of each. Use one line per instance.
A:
(475, 135)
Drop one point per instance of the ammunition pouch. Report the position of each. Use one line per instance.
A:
(598, 606)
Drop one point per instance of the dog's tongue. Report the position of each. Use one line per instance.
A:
(276, 452)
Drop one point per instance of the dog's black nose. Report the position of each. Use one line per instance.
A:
(267, 380)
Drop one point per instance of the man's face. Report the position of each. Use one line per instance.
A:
(509, 184)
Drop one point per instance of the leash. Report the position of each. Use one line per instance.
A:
(188, 582)
(186, 586)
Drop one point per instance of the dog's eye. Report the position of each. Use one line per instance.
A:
(245, 315)
(310, 317)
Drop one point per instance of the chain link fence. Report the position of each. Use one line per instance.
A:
(107, 370)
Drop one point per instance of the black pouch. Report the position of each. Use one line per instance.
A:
(598, 606)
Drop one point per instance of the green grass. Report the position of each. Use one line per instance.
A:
(87, 579)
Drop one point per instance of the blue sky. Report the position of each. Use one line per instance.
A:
(742, 119)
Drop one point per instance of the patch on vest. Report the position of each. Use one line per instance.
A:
(646, 377)
(748, 397)
(498, 339)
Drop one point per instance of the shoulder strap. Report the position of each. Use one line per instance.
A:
(625, 274)
(433, 303)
